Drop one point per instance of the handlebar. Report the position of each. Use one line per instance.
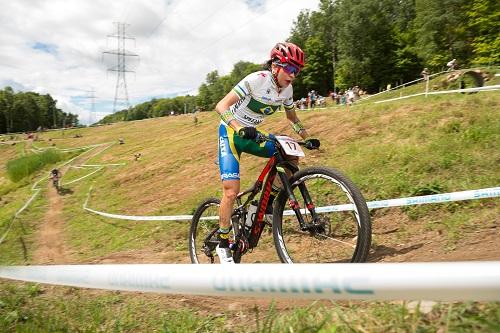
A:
(261, 137)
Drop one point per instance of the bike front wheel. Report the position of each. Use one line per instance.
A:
(339, 229)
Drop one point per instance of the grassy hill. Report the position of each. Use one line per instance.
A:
(410, 147)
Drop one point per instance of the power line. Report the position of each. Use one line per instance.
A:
(121, 92)
(91, 96)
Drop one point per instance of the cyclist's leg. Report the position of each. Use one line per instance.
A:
(230, 176)
(267, 150)
(230, 189)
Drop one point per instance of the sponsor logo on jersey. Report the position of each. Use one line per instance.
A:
(252, 120)
(267, 110)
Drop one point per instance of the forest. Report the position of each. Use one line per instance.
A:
(29, 111)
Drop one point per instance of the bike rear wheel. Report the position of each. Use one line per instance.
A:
(338, 235)
(203, 232)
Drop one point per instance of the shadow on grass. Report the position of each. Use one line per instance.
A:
(64, 191)
(381, 252)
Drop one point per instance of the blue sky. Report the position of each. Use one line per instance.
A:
(56, 46)
(47, 48)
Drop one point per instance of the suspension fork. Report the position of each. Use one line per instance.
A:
(293, 202)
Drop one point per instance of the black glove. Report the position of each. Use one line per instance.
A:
(312, 143)
(249, 133)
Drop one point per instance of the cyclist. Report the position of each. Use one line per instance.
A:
(55, 175)
(244, 108)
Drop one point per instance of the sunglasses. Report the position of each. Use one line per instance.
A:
(289, 68)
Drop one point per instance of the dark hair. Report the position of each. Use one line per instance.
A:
(267, 65)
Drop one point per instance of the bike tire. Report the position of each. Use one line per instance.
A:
(343, 236)
(201, 228)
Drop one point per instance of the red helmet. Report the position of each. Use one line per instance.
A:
(288, 53)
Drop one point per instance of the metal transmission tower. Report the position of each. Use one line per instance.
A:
(92, 104)
(121, 93)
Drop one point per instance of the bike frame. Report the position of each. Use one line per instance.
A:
(275, 165)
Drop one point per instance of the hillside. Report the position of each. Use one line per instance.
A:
(411, 147)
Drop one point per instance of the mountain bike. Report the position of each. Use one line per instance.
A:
(56, 183)
(327, 220)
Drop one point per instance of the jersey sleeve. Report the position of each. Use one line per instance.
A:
(248, 84)
(288, 102)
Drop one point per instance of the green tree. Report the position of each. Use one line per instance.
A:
(484, 22)
(442, 32)
(317, 73)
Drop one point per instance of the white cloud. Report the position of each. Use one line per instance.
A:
(178, 41)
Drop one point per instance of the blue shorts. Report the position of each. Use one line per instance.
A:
(230, 148)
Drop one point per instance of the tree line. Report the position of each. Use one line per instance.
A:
(29, 111)
(365, 43)
(372, 43)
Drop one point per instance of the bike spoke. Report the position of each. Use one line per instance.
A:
(333, 235)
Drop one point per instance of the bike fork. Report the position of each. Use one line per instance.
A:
(294, 204)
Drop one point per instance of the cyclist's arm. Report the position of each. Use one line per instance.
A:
(297, 126)
(222, 109)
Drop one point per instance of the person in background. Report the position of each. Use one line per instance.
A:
(452, 65)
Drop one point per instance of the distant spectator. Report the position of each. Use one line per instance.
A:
(425, 74)
(350, 96)
(312, 98)
(121, 141)
(343, 98)
(195, 117)
(452, 65)
(137, 156)
(356, 90)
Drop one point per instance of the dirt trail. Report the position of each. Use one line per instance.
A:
(51, 246)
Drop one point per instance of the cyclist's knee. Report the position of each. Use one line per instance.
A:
(230, 189)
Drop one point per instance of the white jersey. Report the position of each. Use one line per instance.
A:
(259, 97)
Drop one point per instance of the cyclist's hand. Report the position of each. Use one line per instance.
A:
(312, 143)
(249, 133)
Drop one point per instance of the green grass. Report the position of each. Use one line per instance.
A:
(24, 166)
(18, 245)
(28, 308)
(404, 148)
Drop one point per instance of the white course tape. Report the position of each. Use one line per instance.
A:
(83, 177)
(486, 88)
(37, 190)
(420, 200)
(102, 165)
(17, 214)
(457, 281)
(141, 218)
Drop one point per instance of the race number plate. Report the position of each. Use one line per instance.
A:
(290, 146)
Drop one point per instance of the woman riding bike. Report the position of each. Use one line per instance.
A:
(258, 95)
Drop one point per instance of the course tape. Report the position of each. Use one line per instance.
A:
(444, 281)
(37, 190)
(83, 177)
(486, 88)
(17, 214)
(492, 192)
